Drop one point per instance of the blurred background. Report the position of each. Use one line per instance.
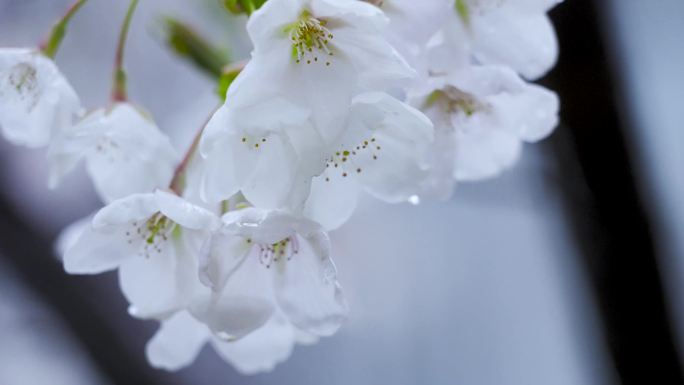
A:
(567, 270)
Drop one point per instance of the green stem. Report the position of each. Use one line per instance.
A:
(51, 44)
(119, 89)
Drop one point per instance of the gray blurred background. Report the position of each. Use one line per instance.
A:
(566, 270)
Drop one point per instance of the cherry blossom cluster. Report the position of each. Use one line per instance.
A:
(228, 245)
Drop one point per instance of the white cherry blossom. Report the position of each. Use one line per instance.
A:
(153, 240)
(293, 98)
(264, 263)
(382, 152)
(484, 114)
(317, 54)
(36, 100)
(124, 150)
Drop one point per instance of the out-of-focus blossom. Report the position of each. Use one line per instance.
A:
(36, 100)
(124, 150)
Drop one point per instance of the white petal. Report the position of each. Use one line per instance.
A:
(407, 19)
(267, 226)
(484, 153)
(391, 167)
(185, 213)
(511, 36)
(307, 290)
(225, 170)
(97, 251)
(122, 211)
(70, 145)
(267, 23)
(177, 342)
(333, 198)
(378, 63)
(261, 350)
(533, 112)
(244, 304)
(69, 235)
(161, 282)
(270, 184)
(219, 257)
(357, 13)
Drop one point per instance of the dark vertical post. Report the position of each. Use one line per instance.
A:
(604, 203)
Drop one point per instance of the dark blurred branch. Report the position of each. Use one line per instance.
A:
(32, 257)
(608, 213)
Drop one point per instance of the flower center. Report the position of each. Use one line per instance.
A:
(22, 79)
(452, 101)
(282, 250)
(310, 40)
(153, 233)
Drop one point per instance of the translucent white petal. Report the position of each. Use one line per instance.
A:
(122, 211)
(69, 235)
(485, 153)
(224, 170)
(378, 63)
(177, 342)
(261, 350)
(185, 213)
(523, 40)
(307, 290)
(267, 23)
(244, 304)
(357, 13)
(160, 282)
(98, 250)
(533, 113)
(219, 257)
(270, 184)
(267, 226)
(408, 19)
(333, 198)
(389, 162)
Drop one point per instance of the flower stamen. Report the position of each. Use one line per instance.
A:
(310, 38)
